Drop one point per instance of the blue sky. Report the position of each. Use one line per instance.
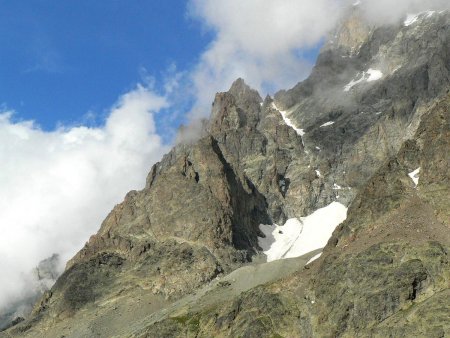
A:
(63, 59)
(67, 62)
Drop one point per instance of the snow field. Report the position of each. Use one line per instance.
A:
(300, 236)
(367, 76)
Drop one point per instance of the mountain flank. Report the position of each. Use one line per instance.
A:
(181, 258)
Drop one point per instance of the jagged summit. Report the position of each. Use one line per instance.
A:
(238, 107)
(240, 89)
(350, 34)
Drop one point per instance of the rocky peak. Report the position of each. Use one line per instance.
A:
(351, 33)
(237, 108)
(243, 92)
(48, 268)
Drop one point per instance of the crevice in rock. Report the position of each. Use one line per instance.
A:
(249, 208)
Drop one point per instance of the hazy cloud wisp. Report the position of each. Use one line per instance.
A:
(389, 12)
(258, 41)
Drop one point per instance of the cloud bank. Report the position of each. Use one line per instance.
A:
(260, 41)
(57, 187)
(263, 41)
(390, 12)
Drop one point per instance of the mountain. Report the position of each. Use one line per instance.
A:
(369, 129)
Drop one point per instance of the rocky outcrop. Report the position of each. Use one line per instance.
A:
(409, 67)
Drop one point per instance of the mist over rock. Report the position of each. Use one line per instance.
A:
(181, 257)
(44, 276)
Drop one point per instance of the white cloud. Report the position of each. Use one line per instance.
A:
(259, 41)
(388, 11)
(56, 187)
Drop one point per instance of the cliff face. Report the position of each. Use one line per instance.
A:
(384, 273)
(370, 95)
(375, 108)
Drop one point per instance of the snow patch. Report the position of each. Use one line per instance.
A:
(412, 18)
(336, 187)
(374, 75)
(288, 121)
(314, 258)
(326, 124)
(318, 173)
(300, 236)
(415, 176)
(367, 76)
